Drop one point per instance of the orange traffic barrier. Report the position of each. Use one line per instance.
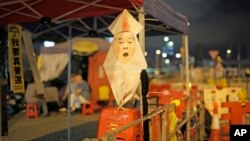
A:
(165, 86)
(112, 118)
(215, 127)
(156, 128)
(192, 134)
(225, 128)
(153, 90)
(225, 138)
(237, 111)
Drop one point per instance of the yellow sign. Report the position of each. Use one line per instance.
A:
(15, 58)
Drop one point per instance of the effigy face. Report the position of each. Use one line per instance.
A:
(125, 59)
(124, 46)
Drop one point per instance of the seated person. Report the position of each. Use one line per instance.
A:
(79, 92)
(31, 96)
(76, 99)
(83, 85)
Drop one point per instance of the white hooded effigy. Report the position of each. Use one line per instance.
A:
(125, 59)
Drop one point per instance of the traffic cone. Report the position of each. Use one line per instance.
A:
(215, 127)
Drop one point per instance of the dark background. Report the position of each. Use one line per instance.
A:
(214, 24)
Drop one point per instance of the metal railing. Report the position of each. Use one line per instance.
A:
(163, 112)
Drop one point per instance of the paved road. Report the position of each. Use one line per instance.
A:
(52, 128)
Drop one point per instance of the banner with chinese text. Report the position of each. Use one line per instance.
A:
(15, 58)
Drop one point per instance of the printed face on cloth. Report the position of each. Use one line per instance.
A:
(125, 59)
(124, 46)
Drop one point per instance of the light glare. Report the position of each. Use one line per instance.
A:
(171, 43)
(166, 38)
(158, 51)
(167, 61)
(164, 54)
(48, 43)
(109, 39)
(178, 55)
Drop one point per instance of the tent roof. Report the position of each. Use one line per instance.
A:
(88, 15)
(19, 11)
(164, 13)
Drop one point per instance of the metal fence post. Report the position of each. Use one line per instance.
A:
(164, 125)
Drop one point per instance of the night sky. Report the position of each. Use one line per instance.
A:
(214, 24)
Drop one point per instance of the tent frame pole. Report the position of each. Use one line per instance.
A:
(141, 19)
(69, 76)
(187, 81)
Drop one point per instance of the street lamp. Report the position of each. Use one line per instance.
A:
(157, 58)
(167, 61)
(178, 55)
(166, 39)
(229, 51)
(170, 43)
(164, 55)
